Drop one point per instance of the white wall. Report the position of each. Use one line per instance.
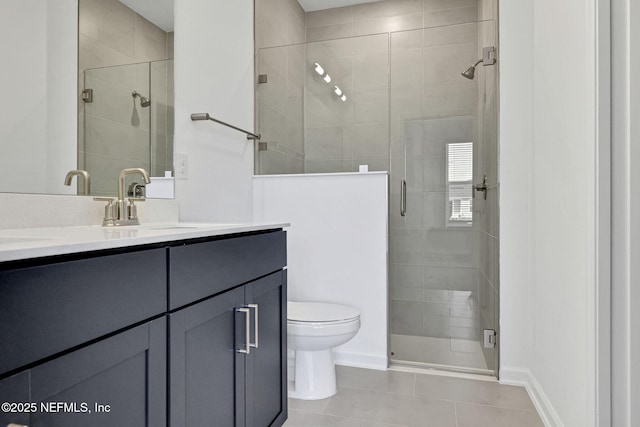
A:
(214, 74)
(336, 248)
(38, 113)
(516, 126)
(548, 146)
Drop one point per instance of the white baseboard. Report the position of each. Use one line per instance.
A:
(522, 377)
(361, 360)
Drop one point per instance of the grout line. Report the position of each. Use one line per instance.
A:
(455, 412)
(415, 383)
(327, 403)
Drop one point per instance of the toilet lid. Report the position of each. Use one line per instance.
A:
(319, 312)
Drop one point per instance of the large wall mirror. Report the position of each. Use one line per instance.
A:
(89, 86)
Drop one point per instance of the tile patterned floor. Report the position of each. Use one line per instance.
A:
(369, 398)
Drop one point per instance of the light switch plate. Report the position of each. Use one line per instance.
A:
(182, 166)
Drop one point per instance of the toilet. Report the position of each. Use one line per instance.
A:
(313, 330)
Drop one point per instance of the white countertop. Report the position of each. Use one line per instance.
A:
(26, 243)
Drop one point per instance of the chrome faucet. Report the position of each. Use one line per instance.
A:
(130, 171)
(123, 211)
(79, 173)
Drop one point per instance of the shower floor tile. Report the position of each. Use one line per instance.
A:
(441, 351)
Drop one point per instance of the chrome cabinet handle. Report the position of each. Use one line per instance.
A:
(247, 331)
(403, 197)
(255, 320)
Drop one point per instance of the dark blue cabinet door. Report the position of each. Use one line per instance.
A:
(266, 383)
(126, 374)
(15, 389)
(206, 371)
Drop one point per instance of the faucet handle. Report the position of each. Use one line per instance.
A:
(109, 210)
(132, 209)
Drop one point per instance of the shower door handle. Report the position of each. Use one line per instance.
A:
(480, 187)
(403, 197)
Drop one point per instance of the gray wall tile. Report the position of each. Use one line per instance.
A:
(371, 140)
(371, 71)
(450, 99)
(407, 67)
(382, 25)
(406, 40)
(437, 18)
(451, 34)
(329, 32)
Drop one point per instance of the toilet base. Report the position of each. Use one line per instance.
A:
(315, 375)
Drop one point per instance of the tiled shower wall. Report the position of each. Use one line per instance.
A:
(340, 135)
(111, 34)
(353, 42)
(333, 137)
(280, 53)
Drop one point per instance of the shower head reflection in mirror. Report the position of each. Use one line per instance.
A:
(144, 101)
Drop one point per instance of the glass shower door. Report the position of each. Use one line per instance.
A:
(437, 314)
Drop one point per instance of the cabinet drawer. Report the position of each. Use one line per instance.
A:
(53, 307)
(203, 269)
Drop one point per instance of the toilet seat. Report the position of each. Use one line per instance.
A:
(317, 313)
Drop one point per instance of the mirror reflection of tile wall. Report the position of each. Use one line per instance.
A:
(115, 131)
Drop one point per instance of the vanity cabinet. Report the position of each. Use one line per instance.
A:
(62, 319)
(152, 333)
(228, 351)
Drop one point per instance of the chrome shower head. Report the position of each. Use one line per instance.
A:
(470, 72)
(144, 101)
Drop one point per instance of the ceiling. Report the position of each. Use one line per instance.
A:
(311, 5)
(160, 12)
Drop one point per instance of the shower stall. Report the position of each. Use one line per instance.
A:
(422, 105)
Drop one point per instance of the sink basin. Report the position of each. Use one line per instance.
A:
(9, 240)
